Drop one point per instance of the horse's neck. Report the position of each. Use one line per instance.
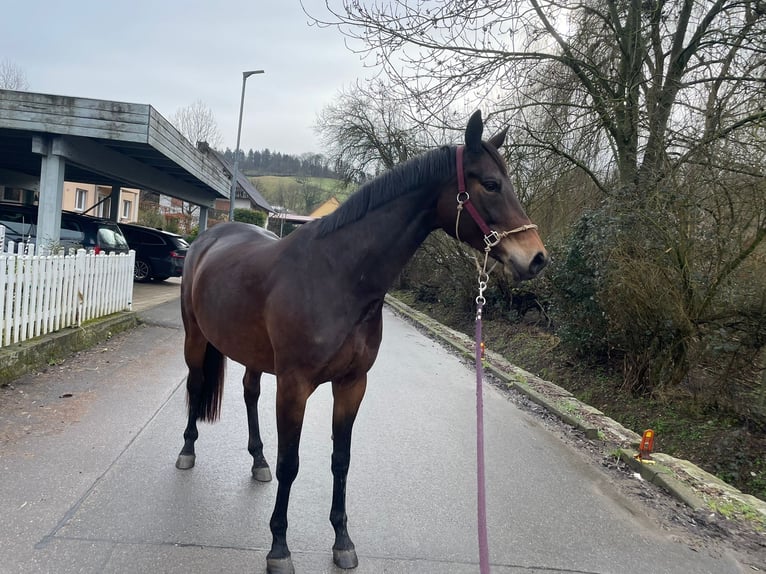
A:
(380, 244)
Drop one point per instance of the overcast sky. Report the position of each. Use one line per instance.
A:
(170, 53)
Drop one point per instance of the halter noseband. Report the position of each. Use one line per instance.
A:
(491, 237)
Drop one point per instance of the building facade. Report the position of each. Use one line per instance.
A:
(95, 200)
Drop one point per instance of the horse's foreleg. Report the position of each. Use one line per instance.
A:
(292, 395)
(347, 396)
(186, 457)
(252, 384)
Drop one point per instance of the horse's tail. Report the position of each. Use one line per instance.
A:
(213, 369)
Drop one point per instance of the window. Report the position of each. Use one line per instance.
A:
(110, 237)
(104, 205)
(145, 238)
(19, 225)
(71, 233)
(12, 194)
(127, 209)
(80, 199)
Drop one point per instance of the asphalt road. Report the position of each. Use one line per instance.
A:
(88, 483)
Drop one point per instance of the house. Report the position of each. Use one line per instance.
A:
(85, 198)
(326, 208)
(282, 222)
(95, 200)
(246, 196)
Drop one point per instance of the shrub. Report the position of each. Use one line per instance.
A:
(250, 216)
(576, 279)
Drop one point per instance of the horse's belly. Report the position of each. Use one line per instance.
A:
(355, 356)
(238, 331)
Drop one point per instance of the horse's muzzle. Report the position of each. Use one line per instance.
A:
(525, 268)
(538, 263)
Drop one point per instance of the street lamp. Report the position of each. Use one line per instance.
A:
(233, 191)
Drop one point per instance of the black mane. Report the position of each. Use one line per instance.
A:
(402, 179)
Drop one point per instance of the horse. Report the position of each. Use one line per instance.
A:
(307, 308)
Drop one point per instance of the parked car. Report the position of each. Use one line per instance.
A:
(159, 254)
(77, 230)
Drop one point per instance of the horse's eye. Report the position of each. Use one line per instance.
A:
(491, 185)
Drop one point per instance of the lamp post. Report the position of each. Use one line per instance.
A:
(233, 191)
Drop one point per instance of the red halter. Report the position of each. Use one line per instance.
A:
(491, 237)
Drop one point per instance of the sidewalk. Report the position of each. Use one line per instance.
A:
(148, 295)
(30, 356)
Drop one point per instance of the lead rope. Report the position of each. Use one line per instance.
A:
(481, 494)
(481, 488)
(491, 239)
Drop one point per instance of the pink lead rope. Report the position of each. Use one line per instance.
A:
(481, 494)
(491, 239)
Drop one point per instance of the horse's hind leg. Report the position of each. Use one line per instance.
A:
(186, 457)
(252, 384)
(204, 386)
(347, 396)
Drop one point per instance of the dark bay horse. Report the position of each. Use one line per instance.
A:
(308, 308)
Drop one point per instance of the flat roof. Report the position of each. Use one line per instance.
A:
(292, 217)
(106, 143)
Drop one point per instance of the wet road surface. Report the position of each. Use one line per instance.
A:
(88, 483)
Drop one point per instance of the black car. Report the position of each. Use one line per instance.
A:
(77, 231)
(159, 254)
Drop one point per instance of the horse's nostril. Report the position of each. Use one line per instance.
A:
(538, 262)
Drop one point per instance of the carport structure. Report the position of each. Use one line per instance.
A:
(47, 139)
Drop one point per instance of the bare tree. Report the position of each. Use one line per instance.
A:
(12, 77)
(657, 105)
(197, 123)
(654, 81)
(365, 132)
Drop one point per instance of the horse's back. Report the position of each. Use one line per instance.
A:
(222, 246)
(227, 236)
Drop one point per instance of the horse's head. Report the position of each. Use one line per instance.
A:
(483, 210)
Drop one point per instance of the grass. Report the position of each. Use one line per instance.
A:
(735, 509)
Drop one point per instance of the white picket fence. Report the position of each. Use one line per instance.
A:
(42, 294)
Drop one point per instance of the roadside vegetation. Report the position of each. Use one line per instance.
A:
(638, 145)
(522, 327)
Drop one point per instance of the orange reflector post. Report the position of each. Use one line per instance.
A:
(646, 446)
(482, 350)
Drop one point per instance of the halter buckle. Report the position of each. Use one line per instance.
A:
(492, 239)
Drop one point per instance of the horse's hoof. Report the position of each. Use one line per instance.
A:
(262, 474)
(185, 461)
(280, 566)
(345, 558)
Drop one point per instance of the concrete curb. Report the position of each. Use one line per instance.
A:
(684, 480)
(35, 354)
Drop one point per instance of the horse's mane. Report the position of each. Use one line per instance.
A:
(402, 179)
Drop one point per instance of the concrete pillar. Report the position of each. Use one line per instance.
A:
(202, 218)
(114, 203)
(51, 191)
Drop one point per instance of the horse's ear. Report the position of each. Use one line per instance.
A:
(473, 132)
(498, 139)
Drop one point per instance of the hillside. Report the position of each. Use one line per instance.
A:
(299, 194)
